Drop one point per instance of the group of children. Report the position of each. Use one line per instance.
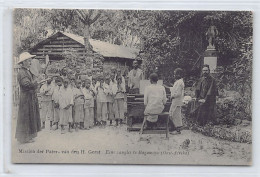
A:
(79, 102)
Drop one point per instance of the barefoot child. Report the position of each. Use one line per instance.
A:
(93, 88)
(78, 106)
(88, 105)
(46, 92)
(113, 87)
(55, 101)
(119, 101)
(177, 94)
(101, 101)
(65, 103)
(110, 100)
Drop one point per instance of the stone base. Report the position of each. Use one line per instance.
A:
(210, 58)
(212, 62)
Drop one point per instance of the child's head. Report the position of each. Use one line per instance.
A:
(94, 80)
(87, 83)
(78, 83)
(119, 79)
(72, 79)
(49, 81)
(107, 80)
(153, 78)
(112, 76)
(118, 71)
(83, 83)
(65, 83)
(101, 79)
(113, 70)
(78, 69)
(89, 72)
(98, 71)
(64, 72)
(58, 81)
(178, 73)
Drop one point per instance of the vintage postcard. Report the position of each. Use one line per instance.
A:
(132, 86)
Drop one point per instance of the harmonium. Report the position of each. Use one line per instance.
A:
(135, 111)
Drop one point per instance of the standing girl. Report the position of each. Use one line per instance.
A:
(119, 101)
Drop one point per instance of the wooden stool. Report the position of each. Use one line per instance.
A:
(166, 131)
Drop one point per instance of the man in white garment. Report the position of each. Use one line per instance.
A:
(134, 77)
(154, 100)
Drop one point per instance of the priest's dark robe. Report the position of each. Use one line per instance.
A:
(28, 121)
(206, 89)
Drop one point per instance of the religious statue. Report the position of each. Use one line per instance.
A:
(211, 35)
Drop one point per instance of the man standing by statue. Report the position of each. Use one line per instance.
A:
(134, 76)
(206, 92)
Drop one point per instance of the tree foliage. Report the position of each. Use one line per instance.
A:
(167, 39)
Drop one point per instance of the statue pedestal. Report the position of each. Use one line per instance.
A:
(211, 59)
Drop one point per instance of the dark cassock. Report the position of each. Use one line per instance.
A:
(206, 89)
(28, 121)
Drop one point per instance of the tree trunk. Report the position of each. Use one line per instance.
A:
(87, 44)
(87, 37)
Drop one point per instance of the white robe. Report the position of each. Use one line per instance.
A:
(177, 91)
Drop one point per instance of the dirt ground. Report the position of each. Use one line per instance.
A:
(113, 144)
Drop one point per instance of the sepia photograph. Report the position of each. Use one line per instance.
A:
(141, 87)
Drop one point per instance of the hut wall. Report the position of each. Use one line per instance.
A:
(54, 47)
(122, 63)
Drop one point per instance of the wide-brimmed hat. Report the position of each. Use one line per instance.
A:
(25, 56)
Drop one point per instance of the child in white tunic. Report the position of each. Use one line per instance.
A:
(154, 100)
(55, 101)
(78, 106)
(101, 89)
(93, 88)
(88, 105)
(110, 100)
(113, 87)
(46, 92)
(65, 103)
(119, 91)
(177, 94)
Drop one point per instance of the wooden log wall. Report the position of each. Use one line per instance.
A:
(57, 46)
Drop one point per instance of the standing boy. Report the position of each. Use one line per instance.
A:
(177, 94)
(110, 99)
(65, 105)
(46, 92)
(55, 101)
(78, 106)
(88, 105)
(119, 101)
(101, 101)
